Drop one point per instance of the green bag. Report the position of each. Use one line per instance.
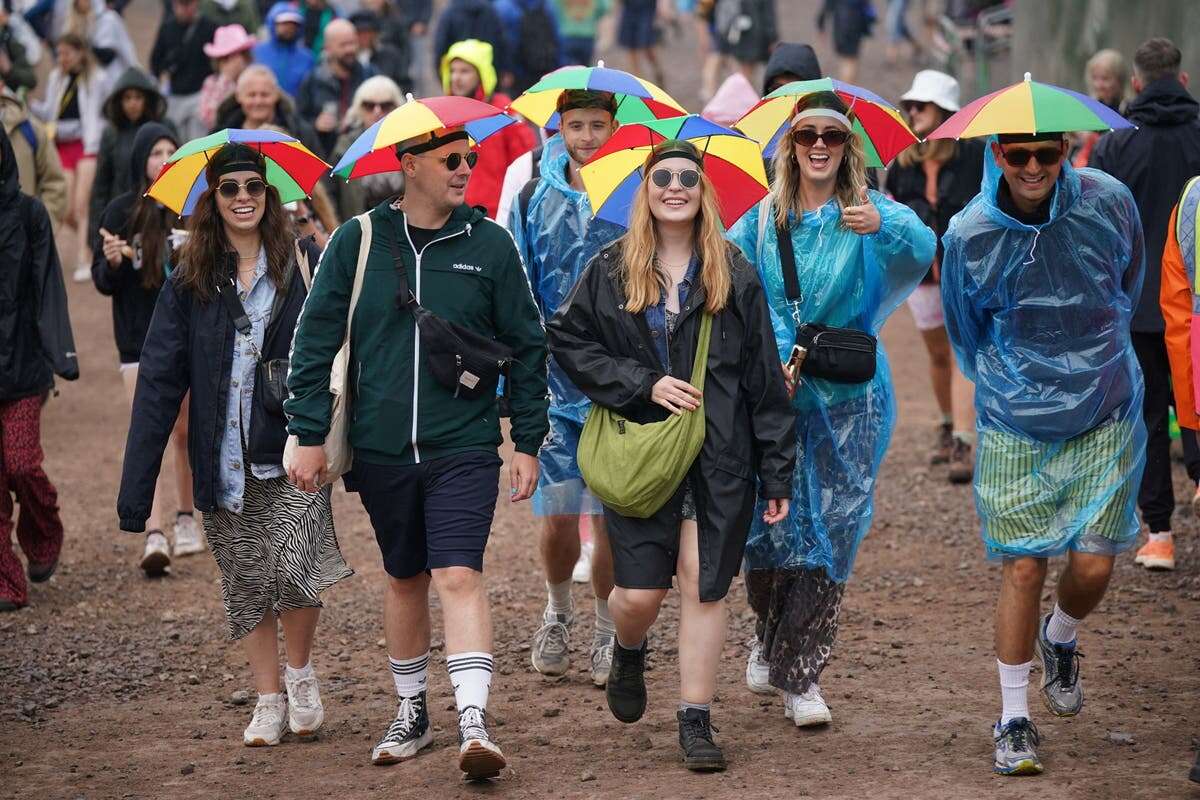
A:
(634, 468)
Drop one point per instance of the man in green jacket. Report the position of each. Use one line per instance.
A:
(425, 461)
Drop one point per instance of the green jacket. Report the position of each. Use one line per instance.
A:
(470, 274)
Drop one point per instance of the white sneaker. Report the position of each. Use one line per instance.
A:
(268, 723)
(82, 274)
(157, 555)
(758, 671)
(305, 712)
(807, 709)
(582, 573)
(189, 539)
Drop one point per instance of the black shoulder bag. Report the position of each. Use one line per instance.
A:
(463, 361)
(842, 355)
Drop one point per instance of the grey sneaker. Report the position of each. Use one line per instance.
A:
(1061, 687)
(602, 654)
(551, 651)
(1016, 748)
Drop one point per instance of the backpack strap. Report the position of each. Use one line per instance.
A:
(29, 134)
(526, 197)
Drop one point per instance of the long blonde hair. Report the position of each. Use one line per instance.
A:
(851, 175)
(642, 280)
(937, 150)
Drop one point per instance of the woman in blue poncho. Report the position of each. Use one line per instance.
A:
(857, 255)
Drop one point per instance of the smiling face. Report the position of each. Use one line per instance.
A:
(584, 131)
(819, 162)
(1033, 182)
(923, 118)
(241, 212)
(162, 150)
(673, 202)
(428, 175)
(258, 98)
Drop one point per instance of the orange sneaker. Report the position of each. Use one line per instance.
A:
(1157, 555)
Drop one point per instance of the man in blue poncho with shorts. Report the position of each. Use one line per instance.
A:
(1041, 274)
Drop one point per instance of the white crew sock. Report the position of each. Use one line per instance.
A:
(1014, 690)
(471, 674)
(411, 675)
(1062, 627)
(1165, 536)
(966, 437)
(604, 620)
(296, 673)
(560, 597)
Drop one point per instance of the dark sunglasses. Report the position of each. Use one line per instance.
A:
(688, 178)
(453, 160)
(371, 105)
(255, 187)
(1046, 156)
(834, 137)
(915, 106)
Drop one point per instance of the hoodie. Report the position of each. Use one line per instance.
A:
(501, 148)
(470, 19)
(116, 142)
(290, 61)
(38, 166)
(132, 303)
(35, 329)
(1154, 161)
(793, 59)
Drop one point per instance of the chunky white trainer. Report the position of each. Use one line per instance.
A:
(157, 555)
(758, 671)
(269, 722)
(582, 572)
(189, 539)
(807, 709)
(305, 712)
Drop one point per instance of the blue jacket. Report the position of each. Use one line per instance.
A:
(511, 13)
(290, 61)
(556, 240)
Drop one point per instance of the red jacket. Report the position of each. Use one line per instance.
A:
(495, 154)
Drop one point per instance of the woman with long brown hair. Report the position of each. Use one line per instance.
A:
(852, 256)
(627, 336)
(132, 259)
(222, 329)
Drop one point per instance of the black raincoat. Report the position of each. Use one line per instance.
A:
(35, 329)
(610, 355)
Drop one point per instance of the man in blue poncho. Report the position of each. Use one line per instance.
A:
(1041, 274)
(556, 235)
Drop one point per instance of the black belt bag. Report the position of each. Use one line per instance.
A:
(463, 361)
(842, 355)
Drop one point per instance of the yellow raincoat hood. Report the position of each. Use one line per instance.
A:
(479, 55)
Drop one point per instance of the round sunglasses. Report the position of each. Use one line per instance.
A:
(1046, 156)
(255, 187)
(834, 137)
(688, 178)
(453, 160)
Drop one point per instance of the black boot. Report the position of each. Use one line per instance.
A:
(626, 687)
(700, 752)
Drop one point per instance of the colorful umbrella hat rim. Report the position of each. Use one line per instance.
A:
(539, 103)
(1030, 107)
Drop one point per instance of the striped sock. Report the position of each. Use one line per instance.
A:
(471, 674)
(410, 674)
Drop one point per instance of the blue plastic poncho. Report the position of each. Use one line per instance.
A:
(1039, 319)
(842, 430)
(556, 240)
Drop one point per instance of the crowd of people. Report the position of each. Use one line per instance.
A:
(1052, 276)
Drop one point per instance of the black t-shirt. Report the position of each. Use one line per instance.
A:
(422, 236)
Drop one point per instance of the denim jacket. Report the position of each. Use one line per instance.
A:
(656, 315)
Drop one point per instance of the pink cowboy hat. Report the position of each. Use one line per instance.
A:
(227, 40)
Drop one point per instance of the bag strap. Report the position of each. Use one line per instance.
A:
(364, 250)
(302, 264)
(404, 296)
(700, 364)
(787, 264)
(237, 312)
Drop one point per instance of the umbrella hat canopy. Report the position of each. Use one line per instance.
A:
(638, 100)
(1030, 107)
(374, 151)
(291, 167)
(880, 125)
(731, 161)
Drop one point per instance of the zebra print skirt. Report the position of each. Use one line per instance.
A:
(279, 554)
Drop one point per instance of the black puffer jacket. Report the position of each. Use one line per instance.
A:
(610, 355)
(189, 347)
(132, 302)
(1154, 160)
(35, 329)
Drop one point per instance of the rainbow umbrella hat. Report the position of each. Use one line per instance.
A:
(637, 100)
(880, 125)
(1030, 107)
(291, 167)
(375, 150)
(731, 161)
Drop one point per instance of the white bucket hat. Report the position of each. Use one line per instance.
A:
(931, 86)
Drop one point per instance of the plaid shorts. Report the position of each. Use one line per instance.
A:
(1042, 499)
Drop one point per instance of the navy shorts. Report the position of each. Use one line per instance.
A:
(430, 515)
